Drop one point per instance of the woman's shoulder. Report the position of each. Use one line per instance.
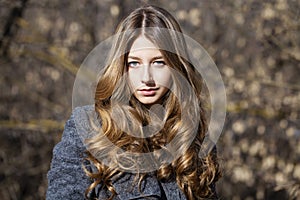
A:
(82, 111)
(82, 124)
(86, 121)
(66, 179)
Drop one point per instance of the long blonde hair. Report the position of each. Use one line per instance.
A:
(195, 176)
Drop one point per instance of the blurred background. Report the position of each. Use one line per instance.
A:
(255, 44)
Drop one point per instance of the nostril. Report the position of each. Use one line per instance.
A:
(150, 82)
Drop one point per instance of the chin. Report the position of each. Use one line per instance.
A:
(148, 101)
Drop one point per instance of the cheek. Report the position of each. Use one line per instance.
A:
(165, 79)
(132, 80)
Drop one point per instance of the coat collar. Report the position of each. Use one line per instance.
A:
(127, 188)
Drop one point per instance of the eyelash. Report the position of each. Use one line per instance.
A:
(159, 62)
(135, 64)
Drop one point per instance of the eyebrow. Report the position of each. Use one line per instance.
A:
(137, 58)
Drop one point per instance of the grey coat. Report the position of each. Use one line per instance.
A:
(67, 180)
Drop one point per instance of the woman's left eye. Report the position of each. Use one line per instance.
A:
(159, 63)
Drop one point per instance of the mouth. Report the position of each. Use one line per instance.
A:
(148, 91)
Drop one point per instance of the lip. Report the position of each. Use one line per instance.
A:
(148, 91)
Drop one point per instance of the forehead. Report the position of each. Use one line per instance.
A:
(142, 43)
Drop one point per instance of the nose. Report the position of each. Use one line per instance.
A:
(147, 75)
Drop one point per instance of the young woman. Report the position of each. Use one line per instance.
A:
(149, 118)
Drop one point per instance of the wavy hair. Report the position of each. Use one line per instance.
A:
(194, 175)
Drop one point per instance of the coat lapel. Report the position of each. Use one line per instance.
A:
(172, 190)
(127, 187)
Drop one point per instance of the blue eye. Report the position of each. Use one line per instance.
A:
(159, 63)
(133, 64)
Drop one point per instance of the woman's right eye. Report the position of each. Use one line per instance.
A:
(133, 64)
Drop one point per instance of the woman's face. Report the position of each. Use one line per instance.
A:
(149, 76)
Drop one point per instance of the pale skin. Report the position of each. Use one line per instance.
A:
(148, 73)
